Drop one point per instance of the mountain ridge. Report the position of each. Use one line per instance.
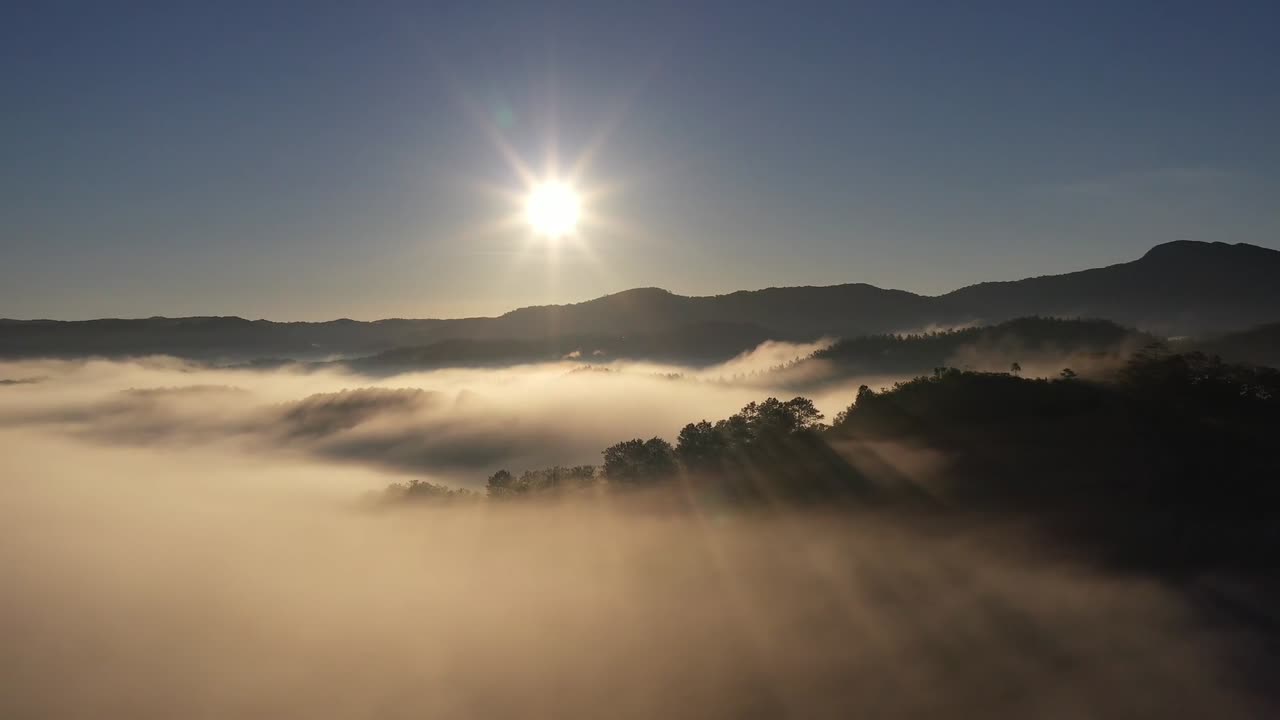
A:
(1176, 288)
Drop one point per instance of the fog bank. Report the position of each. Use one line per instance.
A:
(455, 425)
(185, 542)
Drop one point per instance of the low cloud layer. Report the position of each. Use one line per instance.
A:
(185, 542)
(447, 425)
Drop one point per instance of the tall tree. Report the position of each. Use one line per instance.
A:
(639, 461)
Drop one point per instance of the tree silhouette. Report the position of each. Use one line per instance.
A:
(701, 446)
(426, 492)
(499, 484)
(774, 418)
(1174, 444)
(638, 462)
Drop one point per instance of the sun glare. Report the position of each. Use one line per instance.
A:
(553, 209)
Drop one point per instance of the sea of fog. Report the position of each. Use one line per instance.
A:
(181, 541)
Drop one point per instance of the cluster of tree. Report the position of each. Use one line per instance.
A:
(1172, 457)
(503, 484)
(753, 443)
(1170, 462)
(1030, 336)
(951, 398)
(419, 491)
(704, 446)
(1169, 405)
(1178, 394)
(1258, 346)
(1201, 382)
(701, 447)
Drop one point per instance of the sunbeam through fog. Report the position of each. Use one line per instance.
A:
(178, 543)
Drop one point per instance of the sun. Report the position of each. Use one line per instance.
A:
(553, 209)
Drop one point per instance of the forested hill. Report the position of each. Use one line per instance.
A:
(1166, 463)
(1021, 340)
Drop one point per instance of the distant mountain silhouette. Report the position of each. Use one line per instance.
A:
(1181, 287)
(1177, 288)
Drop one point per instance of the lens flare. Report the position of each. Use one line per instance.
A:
(553, 209)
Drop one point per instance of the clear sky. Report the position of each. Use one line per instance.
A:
(319, 160)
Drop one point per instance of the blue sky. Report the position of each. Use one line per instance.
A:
(319, 160)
